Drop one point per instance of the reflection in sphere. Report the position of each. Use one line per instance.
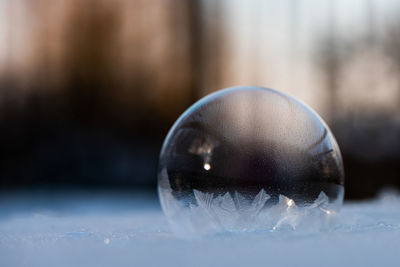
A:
(250, 158)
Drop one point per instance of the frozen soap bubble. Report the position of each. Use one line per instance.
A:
(250, 159)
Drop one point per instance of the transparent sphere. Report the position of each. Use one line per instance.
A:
(250, 158)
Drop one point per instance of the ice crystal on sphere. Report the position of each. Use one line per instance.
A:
(249, 159)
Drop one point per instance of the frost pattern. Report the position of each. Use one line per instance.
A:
(228, 212)
(215, 213)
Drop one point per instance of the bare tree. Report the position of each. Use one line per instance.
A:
(330, 63)
(391, 45)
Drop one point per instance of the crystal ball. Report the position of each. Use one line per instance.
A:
(250, 159)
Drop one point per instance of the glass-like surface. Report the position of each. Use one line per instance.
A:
(250, 158)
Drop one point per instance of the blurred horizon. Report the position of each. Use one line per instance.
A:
(90, 88)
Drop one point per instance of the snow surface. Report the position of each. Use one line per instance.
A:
(87, 229)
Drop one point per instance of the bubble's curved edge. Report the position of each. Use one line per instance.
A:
(233, 89)
(164, 203)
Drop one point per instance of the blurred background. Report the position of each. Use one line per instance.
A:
(90, 88)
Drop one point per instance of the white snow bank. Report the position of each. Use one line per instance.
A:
(110, 230)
